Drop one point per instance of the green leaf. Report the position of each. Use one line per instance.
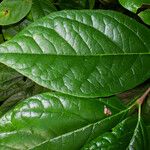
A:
(41, 8)
(56, 121)
(115, 103)
(145, 16)
(146, 106)
(139, 138)
(72, 4)
(18, 91)
(133, 5)
(91, 3)
(82, 53)
(6, 75)
(15, 87)
(1, 38)
(146, 111)
(107, 2)
(148, 129)
(127, 135)
(12, 11)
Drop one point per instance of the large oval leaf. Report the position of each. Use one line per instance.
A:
(82, 53)
(12, 11)
(56, 121)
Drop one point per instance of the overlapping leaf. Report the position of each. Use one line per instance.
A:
(56, 121)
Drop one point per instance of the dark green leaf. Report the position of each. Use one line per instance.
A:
(82, 53)
(133, 5)
(146, 111)
(15, 87)
(145, 16)
(72, 4)
(148, 129)
(12, 11)
(41, 8)
(114, 102)
(18, 91)
(91, 3)
(1, 38)
(146, 107)
(6, 75)
(107, 2)
(56, 121)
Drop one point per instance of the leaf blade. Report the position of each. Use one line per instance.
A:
(101, 62)
(63, 116)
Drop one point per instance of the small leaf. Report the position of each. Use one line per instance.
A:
(133, 5)
(41, 8)
(82, 53)
(145, 16)
(12, 11)
(56, 121)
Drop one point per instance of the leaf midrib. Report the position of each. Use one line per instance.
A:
(91, 124)
(70, 55)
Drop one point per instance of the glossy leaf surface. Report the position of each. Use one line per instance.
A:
(12, 11)
(96, 54)
(56, 121)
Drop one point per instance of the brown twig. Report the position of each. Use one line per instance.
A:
(142, 98)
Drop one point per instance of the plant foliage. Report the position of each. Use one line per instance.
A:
(61, 72)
